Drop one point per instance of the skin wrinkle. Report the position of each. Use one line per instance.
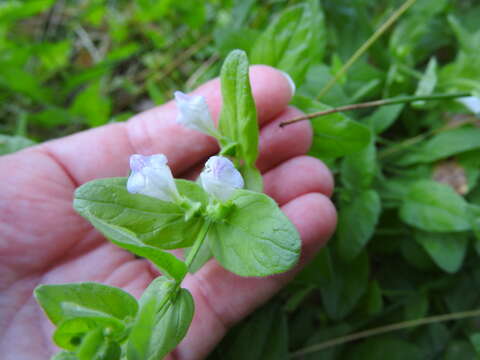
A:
(44, 149)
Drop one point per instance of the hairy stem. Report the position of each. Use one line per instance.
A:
(385, 329)
(380, 31)
(375, 103)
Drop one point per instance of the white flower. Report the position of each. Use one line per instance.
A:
(472, 103)
(151, 176)
(220, 178)
(194, 114)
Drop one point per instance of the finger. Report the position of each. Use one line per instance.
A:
(276, 144)
(297, 176)
(104, 151)
(223, 298)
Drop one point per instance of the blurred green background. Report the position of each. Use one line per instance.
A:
(408, 240)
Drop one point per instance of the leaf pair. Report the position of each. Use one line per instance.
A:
(94, 320)
(253, 238)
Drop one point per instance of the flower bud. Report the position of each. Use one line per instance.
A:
(194, 113)
(151, 176)
(220, 178)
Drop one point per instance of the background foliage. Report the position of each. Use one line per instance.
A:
(408, 240)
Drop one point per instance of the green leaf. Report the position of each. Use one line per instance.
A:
(238, 118)
(460, 349)
(427, 82)
(341, 284)
(384, 117)
(358, 170)
(168, 264)
(154, 222)
(335, 134)
(64, 355)
(376, 348)
(357, 221)
(255, 238)
(293, 40)
(96, 346)
(447, 250)
(59, 300)
(262, 336)
(443, 145)
(474, 215)
(416, 307)
(70, 333)
(436, 207)
(252, 178)
(92, 104)
(475, 340)
(10, 144)
(374, 299)
(163, 320)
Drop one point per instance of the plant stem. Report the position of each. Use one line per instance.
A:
(366, 45)
(198, 243)
(385, 329)
(375, 103)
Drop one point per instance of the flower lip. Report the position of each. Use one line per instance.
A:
(194, 113)
(220, 178)
(151, 176)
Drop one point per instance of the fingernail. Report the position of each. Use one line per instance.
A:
(290, 82)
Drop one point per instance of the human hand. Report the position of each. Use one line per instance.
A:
(43, 241)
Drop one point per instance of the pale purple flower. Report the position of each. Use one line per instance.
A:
(220, 178)
(472, 103)
(151, 176)
(193, 113)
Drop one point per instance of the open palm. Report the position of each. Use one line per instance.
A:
(43, 241)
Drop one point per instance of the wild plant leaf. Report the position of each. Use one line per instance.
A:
(405, 42)
(446, 249)
(357, 221)
(97, 298)
(427, 83)
(342, 284)
(238, 118)
(475, 340)
(154, 222)
(375, 348)
(92, 105)
(460, 349)
(96, 346)
(384, 117)
(334, 135)
(293, 40)
(435, 207)
(256, 238)
(374, 300)
(10, 144)
(163, 320)
(443, 145)
(474, 216)
(416, 306)
(358, 170)
(262, 336)
(64, 355)
(70, 333)
(168, 264)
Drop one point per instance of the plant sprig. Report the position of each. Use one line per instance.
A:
(150, 213)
